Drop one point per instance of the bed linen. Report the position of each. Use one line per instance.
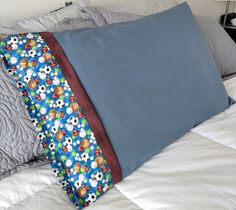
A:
(196, 172)
(89, 168)
(138, 7)
(73, 17)
(222, 46)
(18, 148)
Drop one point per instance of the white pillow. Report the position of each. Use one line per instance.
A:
(138, 7)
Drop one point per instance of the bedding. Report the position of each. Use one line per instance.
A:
(18, 148)
(98, 17)
(137, 7)
(73, 16)
(91, 155)
(44, 22)
(223, 48)
(195, 172)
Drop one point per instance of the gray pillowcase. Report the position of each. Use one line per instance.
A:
(18, 144)
(222, 47)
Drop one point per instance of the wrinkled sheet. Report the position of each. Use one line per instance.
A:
(18, 147)
(196, 172)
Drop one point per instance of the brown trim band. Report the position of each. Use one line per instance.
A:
(86, 104)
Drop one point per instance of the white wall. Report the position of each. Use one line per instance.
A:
(209, 7)
(17, 9)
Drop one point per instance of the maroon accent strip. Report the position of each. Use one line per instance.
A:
(86, 104)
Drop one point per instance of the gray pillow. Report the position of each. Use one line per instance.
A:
(44, 22)
(95, 18)
(138, 7)
(222, 47)
(18, 144)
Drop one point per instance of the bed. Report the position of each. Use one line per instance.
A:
(195, 172)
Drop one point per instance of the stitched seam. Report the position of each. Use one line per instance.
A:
(231, 148)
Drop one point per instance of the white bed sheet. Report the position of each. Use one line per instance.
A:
(196, 172)
(37, 189)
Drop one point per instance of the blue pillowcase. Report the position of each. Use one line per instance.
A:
(150, 80)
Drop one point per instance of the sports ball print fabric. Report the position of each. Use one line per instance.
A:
(63, 130)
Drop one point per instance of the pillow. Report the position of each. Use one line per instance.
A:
(138, 7)
(45, 22)
(223, 48)
(73, 16)
(108, 99)
(18, 144)
(183, 63)
(98, 17)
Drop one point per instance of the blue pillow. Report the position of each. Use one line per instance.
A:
(150, 80)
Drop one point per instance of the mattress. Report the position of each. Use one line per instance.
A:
(196, 172)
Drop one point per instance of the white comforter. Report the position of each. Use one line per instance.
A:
(197, 172)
